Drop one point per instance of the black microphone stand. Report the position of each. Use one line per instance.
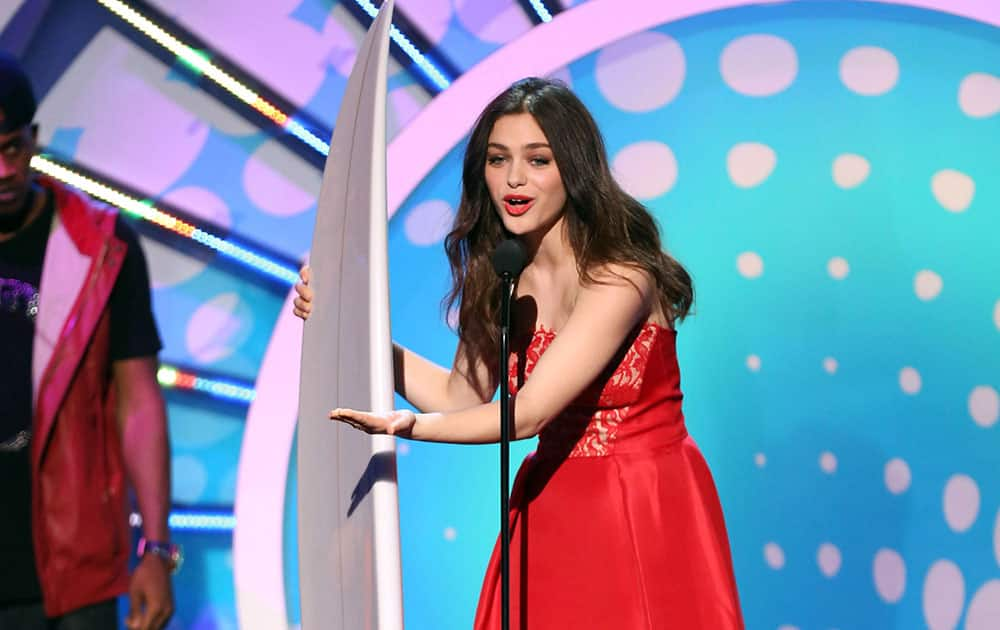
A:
(507, 282)
(508, 261)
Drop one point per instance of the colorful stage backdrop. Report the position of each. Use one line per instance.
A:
(828, 171)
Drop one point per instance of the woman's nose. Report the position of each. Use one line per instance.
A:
(515, 175)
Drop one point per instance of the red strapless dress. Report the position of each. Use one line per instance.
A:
(615, 520)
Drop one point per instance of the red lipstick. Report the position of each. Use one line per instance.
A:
(516, 205)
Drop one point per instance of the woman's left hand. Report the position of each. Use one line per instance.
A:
(399, 422)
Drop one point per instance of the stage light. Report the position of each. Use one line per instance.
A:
(171, 377)
(191, 520)
(433, 73)
(296, 128)
(147, 211)
(194, 521)
(541, 10)
(200, 62)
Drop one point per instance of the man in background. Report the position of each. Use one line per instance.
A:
(81, 412)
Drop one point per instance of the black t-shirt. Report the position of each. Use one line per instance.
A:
(133, 334)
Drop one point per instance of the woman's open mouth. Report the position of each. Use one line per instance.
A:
(517, 205)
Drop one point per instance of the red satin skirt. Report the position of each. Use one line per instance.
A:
(624, 541)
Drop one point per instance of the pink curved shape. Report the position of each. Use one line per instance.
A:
(263, 469)
(258, 540)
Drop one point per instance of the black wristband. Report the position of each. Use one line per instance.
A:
(169, 552)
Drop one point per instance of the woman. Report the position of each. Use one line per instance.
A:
(615, 521)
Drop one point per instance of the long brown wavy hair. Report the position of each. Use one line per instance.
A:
(603, 222)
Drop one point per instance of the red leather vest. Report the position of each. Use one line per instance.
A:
(79, 508)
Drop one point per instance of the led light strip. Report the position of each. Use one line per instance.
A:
(149, 212)
(432, 72)
(188, 520)
(541, 10)
(200, 62)
(174, 378)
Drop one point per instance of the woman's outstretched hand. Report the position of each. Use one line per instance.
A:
(303, 303)
(399, 422)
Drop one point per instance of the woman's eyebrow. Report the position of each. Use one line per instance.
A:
(532, 145)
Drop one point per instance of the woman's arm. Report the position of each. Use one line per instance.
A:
(424, 384)
(432, 388)
(604, 315)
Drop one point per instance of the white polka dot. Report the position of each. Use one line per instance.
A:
(787, 627)
(759, 65)
(961, 502)
(279, 182)
(828, 462)
(927, 285)
(753, 363)
(403, 448)
(750, 163)
(750, 265)
(984, 406)
(984, 609)
(451, 318)
(830, 365)
(838, 268)
(889, 572)
(774, 556)
(828, 558)
(850, 170)
(450, 533)
(953, 189)
(944, 595)
(646, 169)
(897, 475)
(869, 70)
(214, 330)
(494, 22)
(996, 314)
(979, 95)
(189, 478)
(760, 460)
(910, 381)
(429, 222)
(652, 60)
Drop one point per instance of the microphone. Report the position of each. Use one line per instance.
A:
(508, 261)
(509, 258)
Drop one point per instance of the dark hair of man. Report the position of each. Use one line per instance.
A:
(605, 225)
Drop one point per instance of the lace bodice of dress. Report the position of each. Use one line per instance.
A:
(592, 424)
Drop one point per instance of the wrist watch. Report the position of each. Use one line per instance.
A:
(168, 552)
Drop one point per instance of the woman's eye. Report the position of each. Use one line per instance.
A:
(540, 161)
(494, 159)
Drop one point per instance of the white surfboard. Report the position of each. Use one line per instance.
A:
(348, 511)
